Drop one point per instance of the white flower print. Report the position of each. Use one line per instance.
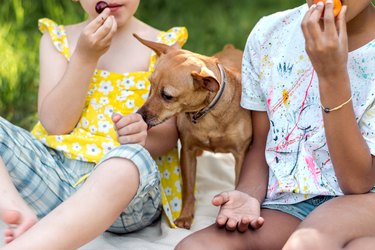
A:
(104, 126)
(128, 82)
(59, 46)
(104, 100)
(92, 149)
(108, 146)
(62, 148)
(177, 184)
(76, 146)
(59, 138)
(57, 32)
(177, 170)
(94, 104)
(170, 36)
(175, 204)
(108, 110)
(84, 122)
(100, 116)
(104, 74)
(168, 191)
(145, 96)
(105, 87)
(141, 85)
(130, 103)
(93, 129)
(166, 174)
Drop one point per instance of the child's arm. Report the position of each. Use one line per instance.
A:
(240, 209)
(64, 85)
(158, 140)
(327, 47)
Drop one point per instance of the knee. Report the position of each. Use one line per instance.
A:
(193, 242)
(306, 239)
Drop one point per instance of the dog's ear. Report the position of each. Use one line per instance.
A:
(205, 79)
(159, 48)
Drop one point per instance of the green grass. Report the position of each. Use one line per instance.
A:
(211, 25)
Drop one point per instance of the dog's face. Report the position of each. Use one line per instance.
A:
(180, 83)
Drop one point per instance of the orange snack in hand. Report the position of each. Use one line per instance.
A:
(336, 6)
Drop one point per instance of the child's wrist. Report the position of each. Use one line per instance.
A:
(83, 59)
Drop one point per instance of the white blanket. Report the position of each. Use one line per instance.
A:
(215, 174)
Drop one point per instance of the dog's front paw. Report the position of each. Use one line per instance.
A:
(184, 222)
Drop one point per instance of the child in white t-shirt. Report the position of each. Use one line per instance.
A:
(307, 179)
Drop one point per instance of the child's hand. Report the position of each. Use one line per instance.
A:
(96, 37)
(238, 211)
(326, 40)
(131, 129)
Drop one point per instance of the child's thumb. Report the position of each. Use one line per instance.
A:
(116, 117)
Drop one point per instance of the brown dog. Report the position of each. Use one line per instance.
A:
(204, 92)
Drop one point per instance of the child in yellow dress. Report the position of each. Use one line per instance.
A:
(90, 164)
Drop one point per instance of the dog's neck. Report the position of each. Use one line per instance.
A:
(195, 116)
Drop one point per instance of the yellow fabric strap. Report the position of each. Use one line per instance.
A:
(82, 179)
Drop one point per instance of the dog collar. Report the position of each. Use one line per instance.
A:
(194, 117)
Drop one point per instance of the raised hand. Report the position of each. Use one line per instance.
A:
(96, 37)
(326, 39)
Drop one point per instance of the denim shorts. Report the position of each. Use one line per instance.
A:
(45, 177)
(301, 209)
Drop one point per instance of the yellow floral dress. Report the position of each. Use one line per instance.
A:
(110, 92)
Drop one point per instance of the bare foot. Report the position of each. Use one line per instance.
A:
(17, 223)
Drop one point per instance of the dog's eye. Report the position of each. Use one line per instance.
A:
(166, 96)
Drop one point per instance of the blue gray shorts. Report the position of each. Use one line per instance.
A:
(46, 177)
(301, 209)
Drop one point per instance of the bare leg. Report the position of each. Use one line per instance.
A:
(277, 228)
(88, 212)
(340, 222)
(13, 209)
(365, 243)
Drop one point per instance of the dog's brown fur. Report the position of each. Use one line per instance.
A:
(185, 82)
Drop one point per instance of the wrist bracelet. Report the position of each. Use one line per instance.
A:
(327, 110)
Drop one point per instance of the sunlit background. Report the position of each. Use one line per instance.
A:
(211, 25)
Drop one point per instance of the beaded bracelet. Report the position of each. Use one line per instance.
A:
(327, 110)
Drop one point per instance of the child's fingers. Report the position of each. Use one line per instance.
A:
(116, 117)
(231, 224)
(306, 19)
(132, 129)
(258, 223)
(98, 21)
(106, 28)
(109, 35)
(341, 24)
(329, 18)
(132, 139)
(221, 220)
(220, 199)
(310, 22)
(313, 22)
(243, 225)
(127, 120)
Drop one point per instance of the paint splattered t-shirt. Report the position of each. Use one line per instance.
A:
(278, 78)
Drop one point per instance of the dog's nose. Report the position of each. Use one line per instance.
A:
(143, 114)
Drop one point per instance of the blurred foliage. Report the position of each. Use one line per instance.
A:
(211, 25)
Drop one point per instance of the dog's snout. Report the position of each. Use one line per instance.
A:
(143, 114)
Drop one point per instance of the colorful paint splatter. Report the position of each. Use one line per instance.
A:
(278, 78)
